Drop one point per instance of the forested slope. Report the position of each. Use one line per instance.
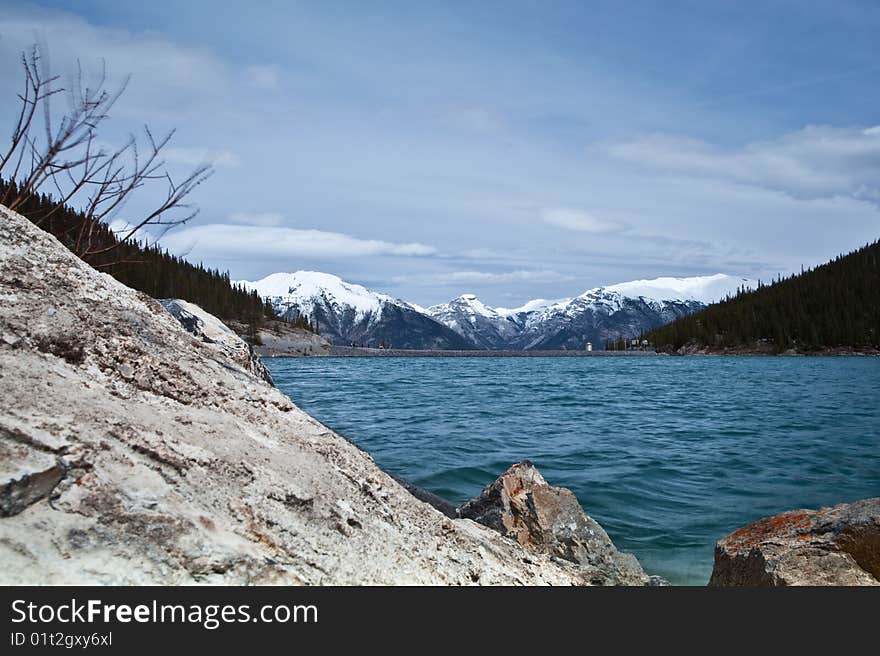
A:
(835, 305)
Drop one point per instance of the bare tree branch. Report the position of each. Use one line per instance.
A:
(65, 155)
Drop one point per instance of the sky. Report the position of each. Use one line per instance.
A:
(514, 150)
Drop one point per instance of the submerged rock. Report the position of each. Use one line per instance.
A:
(830, 546)
(434, 500)
(521, 505)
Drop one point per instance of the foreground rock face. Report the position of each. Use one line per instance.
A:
(521, 505)
(135, 453)
(830, 546)
(209, 329)
(27, 476)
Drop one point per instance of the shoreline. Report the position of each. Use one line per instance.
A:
(137, 452)
(141, 450)
(790, 353)
(357, 352)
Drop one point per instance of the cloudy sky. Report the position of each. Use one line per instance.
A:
(510, 149)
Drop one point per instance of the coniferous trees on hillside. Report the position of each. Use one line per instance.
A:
(833, 305)
(149, 268)
(65, 153)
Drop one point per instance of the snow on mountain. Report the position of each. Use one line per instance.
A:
(596, 316)
(469, 306)
(530, 306)
(625, 309)
(348, 313)
(705, 289)
(483, 326)
(303, 288)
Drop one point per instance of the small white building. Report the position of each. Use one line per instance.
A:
(589, 346)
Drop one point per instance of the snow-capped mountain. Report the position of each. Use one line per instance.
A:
(704, 289)
(625, 309)
(482, 326)
(347, 313)
(597, 315)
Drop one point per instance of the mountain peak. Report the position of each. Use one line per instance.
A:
(704, 289)
(469, 303)
(347, 312)
(303, 287)
(597, 314)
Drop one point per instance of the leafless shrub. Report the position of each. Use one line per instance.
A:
(62, 157)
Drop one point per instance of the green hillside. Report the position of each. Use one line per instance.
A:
(835, 305)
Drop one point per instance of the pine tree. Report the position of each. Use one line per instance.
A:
(154, 271)
(833, 305)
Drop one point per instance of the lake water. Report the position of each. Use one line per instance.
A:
(668, 454)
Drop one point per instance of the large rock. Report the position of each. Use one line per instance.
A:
(135, 453)
(522, 506)
(830, 546)
(205, 326)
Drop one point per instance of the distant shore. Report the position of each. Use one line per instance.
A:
(358, 352)
(768, 350)
(364, 352)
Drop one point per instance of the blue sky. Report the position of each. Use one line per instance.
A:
(512, 150)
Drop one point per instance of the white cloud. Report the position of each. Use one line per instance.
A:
(482, 254)
(146, 235)
(580, 221)
(220, 240)
(121, 228)
(484, 277)
(815, 162)
(168, 80)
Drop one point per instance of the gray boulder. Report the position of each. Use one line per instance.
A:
(521, 505)
(830, 546)
(133, 453)
(209, 329)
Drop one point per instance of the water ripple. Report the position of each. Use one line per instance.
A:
(669, 454)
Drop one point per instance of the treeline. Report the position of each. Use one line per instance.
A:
(149, 268)
(301, 321)
(833, 305)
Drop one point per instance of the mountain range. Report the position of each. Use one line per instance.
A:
(347, 313)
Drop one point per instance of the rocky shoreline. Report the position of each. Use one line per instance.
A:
(280, 339)
(143, 444)
(135, 452)
(768, 350)
(829, 546)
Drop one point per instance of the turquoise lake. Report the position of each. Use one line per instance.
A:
(668, 453)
